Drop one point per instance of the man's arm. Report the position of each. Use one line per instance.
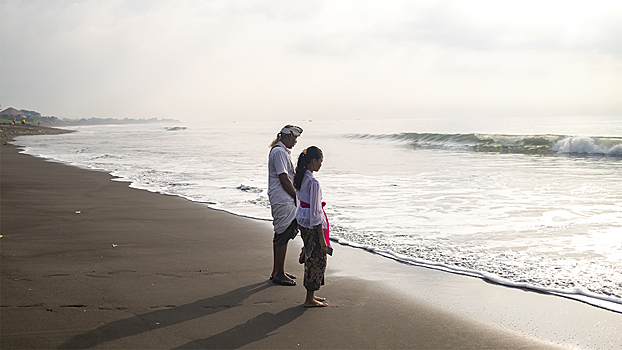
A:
(288, 186)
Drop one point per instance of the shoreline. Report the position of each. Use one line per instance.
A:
(583, 295)
(354, 280)
(8, 131)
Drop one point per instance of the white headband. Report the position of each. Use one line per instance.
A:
(291, 129)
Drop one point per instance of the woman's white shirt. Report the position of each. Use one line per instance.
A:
(310, 192)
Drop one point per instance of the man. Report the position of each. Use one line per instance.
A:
(283, 203)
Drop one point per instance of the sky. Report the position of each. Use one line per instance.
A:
(276, 59)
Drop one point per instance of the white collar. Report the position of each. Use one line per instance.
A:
(281, 144)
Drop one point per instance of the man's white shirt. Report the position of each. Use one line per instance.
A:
(279, 162)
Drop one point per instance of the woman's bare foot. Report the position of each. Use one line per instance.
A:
(315, 303)
(312, 301)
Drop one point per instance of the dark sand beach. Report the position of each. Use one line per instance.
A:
(10, 131)
(88, 262)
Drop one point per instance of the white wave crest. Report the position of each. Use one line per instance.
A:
(616, 150)
(585, 145)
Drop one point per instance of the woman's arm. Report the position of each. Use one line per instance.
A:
(320, 232)
(317, 214)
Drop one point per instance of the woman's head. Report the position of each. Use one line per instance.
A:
(309, 159)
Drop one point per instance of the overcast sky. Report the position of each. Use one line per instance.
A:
(275, 59)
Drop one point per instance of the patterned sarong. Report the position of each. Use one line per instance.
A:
(315, 265)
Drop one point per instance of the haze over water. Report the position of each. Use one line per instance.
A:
(464, 196)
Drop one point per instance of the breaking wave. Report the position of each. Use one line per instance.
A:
(521, 144)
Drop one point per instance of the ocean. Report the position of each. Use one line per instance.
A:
(524, 202)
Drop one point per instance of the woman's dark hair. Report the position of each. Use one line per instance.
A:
(305, 157)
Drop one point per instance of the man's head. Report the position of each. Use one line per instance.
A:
(289, 135)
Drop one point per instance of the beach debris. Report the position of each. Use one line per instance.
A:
(1, 236)
(114, 245)
(78, 212)
(249, 189)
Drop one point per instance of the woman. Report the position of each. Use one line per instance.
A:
(312, 222)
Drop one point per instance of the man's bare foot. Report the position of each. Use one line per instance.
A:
(315, 303)
(286, 274)
(319, 299)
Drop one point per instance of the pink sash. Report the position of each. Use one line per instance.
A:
(327, 229)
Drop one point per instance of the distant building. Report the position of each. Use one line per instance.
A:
(12, 112)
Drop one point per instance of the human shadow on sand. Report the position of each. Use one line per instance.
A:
(255, 329)
(163, 318)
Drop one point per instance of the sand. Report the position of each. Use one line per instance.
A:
(87, 262)
(10, 131)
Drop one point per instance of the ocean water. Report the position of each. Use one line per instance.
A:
(524, 202)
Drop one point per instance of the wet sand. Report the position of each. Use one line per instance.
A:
(88, 262)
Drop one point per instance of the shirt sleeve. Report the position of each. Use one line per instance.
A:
(316, 215)
(280, 162)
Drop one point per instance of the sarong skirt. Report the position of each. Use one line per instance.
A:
(315, 263)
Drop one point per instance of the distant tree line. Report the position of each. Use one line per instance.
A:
(33, 117)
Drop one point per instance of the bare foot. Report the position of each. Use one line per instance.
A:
(315, 303)
(286, 274)
(319, 299)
